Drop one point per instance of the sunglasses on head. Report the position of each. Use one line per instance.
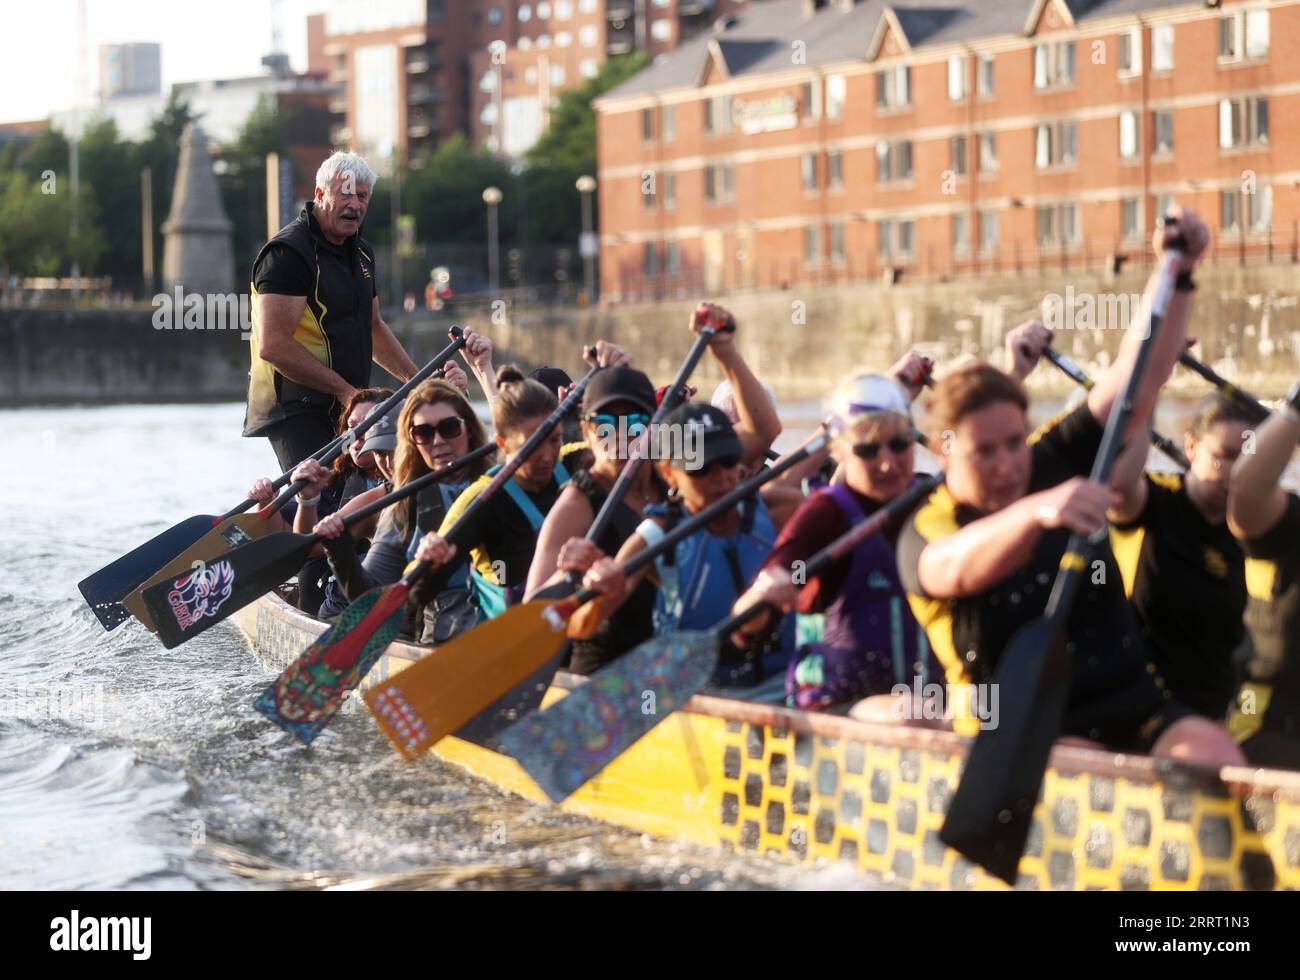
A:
(726, 462)
(870, 450)
(635, 420)
(449, 428)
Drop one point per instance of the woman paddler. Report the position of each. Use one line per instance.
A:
(979, 557)
(871, 645)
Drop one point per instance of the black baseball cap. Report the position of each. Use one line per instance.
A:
(702, 433)
(552, 378)
(619, 384)
(382, 436)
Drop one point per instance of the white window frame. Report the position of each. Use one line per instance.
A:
(1130, 139)
(808, 171)
(1158, 148)
(1239, 122)
(834, 171)
(835, 242)
(956, 78)
(988, 219)
(1051, 63)
(988, 160)
(1136, 231)
(835, 96)
(1134, 37)
(1050, 145)
(812, 245)
(1248, 36)
(894, 88)
(888, 161)
(961, 233)
(1162, 48)
(989, 62)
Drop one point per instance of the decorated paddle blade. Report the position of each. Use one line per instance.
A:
(437, 695)
(193, 603)
(310, 691)
(571, 742)
(105, 589)
(991, 812)
(230, 533)
(522, 699)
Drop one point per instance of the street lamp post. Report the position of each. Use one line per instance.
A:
(586, 184)
(492, 197)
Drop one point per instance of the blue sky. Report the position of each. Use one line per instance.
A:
(38, 70)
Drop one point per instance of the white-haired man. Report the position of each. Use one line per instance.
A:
(316, 320)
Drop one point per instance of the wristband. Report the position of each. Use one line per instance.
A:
(308, 501)
(1183, 283)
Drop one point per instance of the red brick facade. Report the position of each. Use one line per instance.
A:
(813, 179)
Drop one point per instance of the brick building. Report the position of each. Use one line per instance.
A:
(815, 140)
(416, 71)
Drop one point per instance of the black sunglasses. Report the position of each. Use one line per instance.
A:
(870, 450)
(449, 428)
(726, 462)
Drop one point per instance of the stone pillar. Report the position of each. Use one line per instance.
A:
(197, 252)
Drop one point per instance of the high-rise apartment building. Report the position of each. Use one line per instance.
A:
(129, 69)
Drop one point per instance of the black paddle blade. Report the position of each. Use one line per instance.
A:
(992, 810)
(186, 606)
(105, 589)
(522, 699)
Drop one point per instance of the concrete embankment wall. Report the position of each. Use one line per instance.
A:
(799, 340)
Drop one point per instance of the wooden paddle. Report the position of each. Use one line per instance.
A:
(1079, 375)
(992, 809)
(183, 608)
(447, 689)
(105, 589)
(307, 694)
(573, 741)
(1247, 401)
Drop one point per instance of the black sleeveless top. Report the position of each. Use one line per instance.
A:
(633, 622)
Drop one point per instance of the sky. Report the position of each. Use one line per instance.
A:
(200, 39)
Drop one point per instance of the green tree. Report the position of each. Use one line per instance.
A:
(36, 226)
(111, 168)
(243, 184)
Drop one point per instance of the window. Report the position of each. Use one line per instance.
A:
(543, 10)
(1130, 52)
(672, 258)
(834, 96)
(530, 75)
(985, 75)
(812, 245)
(1131, 217)
(717, 115)
(808, 100)
(647, 125)
(525, 13)
(893, 161)
(835, 169)
(719, 187)
(1242, 122)
(988, 231)
(894, 87)
(1230, 210)
(563, 9)
(956, 78)
(669, 122)
(1054, 64)
(906, 238)
(650, 260)
(1128, 135)
(808, 170)
(524, 43)
(837, 241)
(957, 155)
(1055, 144)
(588, 36)
(587, 6)
(494, 16)
(1058, 224)
(1163, 124)
(563, 39)
(1162, 47)
(960, 233)
(1243, 35)
(662, 30)
(670, 192)
(557, 74)
(589, 67)
(897, 238)
(543, 40)
(988, 152)
(1259, 209)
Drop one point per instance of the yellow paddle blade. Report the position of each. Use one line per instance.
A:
(438, 694)
(230, 533)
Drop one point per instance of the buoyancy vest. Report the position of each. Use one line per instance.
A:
(701, 578)
(491, 598)
(871, 642)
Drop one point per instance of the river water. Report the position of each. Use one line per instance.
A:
(124, 765)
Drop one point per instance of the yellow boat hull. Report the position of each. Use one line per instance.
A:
(809, 787)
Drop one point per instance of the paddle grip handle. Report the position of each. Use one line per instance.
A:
(1242, 398)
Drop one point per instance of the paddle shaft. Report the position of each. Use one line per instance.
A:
(540, 435)
(1079, 375)
(435, 366)
(1242, 398)
(673, 397)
